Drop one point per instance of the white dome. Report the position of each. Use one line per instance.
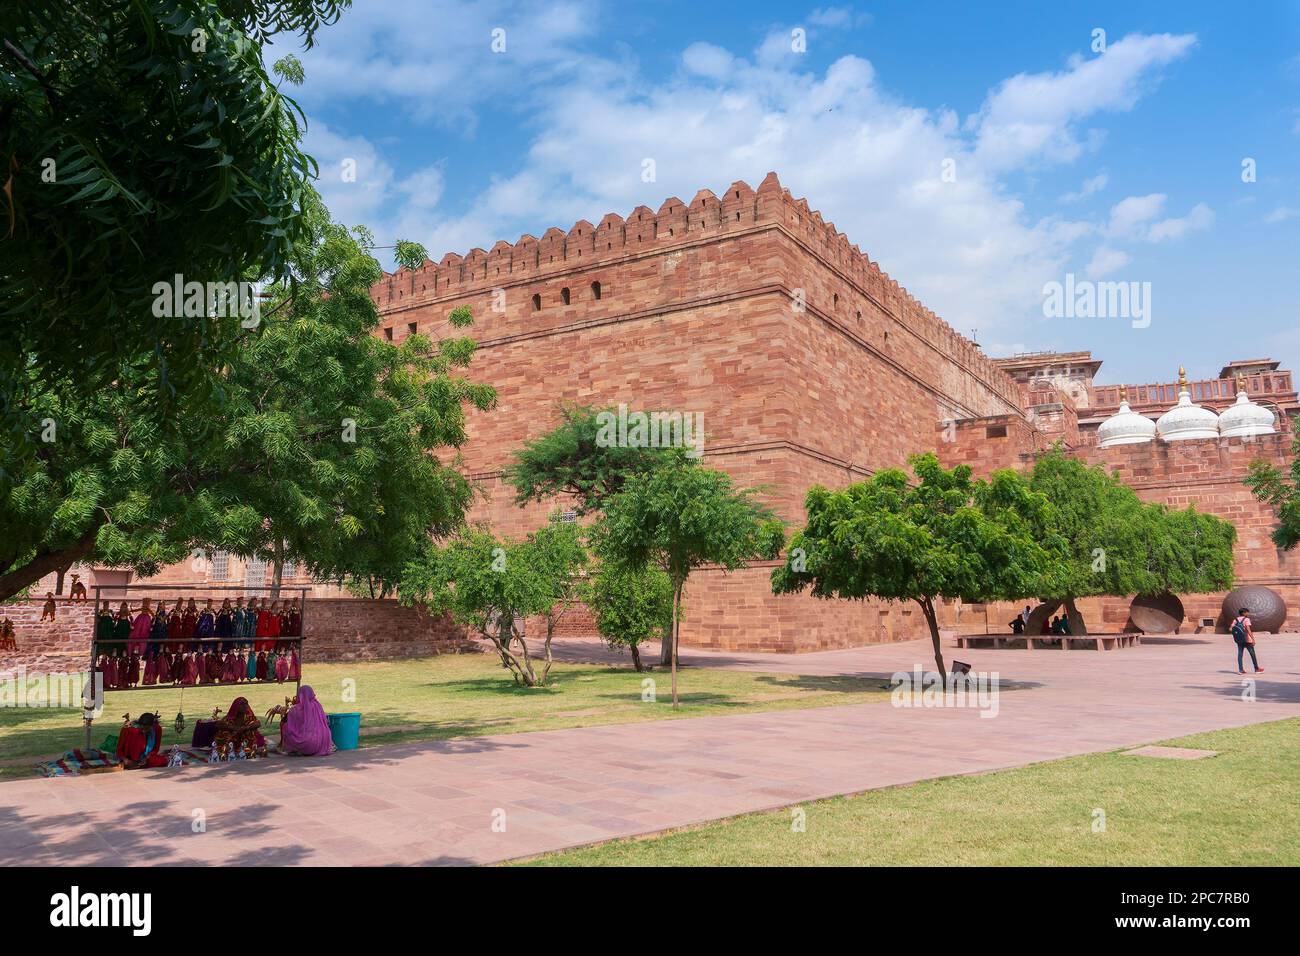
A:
(1125, 427)
(1245, 419)
(1187, 420)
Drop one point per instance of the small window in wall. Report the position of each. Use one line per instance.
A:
(255, 573)
(595, 290)
(410, 328)
(388, 333)
(564, 295)
(565, 517)
(220, 566)
(537, 303)
(996, 431)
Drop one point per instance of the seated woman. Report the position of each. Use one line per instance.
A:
(304, 729)
(238, 733)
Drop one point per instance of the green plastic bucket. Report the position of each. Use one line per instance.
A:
(345, 729)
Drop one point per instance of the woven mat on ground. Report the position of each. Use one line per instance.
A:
(80, 762)
(75, 762)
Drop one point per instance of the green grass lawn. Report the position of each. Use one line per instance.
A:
(1238, 808)
(453, 695)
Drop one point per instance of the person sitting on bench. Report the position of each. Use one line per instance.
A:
(1017, 625)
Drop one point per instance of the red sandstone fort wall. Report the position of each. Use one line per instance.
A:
(808, 364)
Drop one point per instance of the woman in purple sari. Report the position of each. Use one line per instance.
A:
(304, 729)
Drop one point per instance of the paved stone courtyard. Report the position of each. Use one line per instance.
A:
(436, 803)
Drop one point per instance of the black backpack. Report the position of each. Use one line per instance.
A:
(1239, 631)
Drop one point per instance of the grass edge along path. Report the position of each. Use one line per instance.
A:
(1104, 809)
(444, 697)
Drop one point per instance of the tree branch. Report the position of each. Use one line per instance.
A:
(31, 68)
(44, 562)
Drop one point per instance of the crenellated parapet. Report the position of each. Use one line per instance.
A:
(738, 209)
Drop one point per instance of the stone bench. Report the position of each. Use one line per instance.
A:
(1066, 642)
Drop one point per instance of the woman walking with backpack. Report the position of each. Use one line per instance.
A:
(1244, 635)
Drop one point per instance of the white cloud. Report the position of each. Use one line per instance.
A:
(1034, 117)
(705, 59)
(1129, 217)
(435, 58)
(1092, 185)
(871, 163)
(1105, 261)
(1282, 214)
(355, 180)
(1200, 217)
(1135, 218)
(838, 17)
(361, 188)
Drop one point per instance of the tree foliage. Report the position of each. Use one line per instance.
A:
(322, 445)
(491, 586)
(682, 516)
(139, 139)
(570, 460)
(1117, 544)
(1281, 492)
(943, 535)
(631, 605)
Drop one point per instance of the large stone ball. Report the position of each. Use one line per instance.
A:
(1157, 613)
(1267, 609)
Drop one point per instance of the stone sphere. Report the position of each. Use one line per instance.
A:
(1157, 613)
(1267, 609)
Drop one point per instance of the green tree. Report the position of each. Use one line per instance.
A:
(1106, 528)
(1281, 492)
(139, 139)
(322, 449)
(491, 586)
(1193, 551)
(573, 459)
(1116, 544)
(942, 536)
(631, 606)
(682, 516)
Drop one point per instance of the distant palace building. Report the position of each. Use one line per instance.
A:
(811, 365)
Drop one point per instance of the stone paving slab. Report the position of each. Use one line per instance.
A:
(485, 799)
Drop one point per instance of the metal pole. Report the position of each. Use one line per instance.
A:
(94, 625)
(302, 633)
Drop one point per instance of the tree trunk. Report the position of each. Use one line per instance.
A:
(44, 562)
(530, 676)
(1075, 618)
(550, 633)
(677, 623)
(666, 647)
(927, 608)
(636, 658)
(521, 671)
(277, 575)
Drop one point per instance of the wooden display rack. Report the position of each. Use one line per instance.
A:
(118, 592)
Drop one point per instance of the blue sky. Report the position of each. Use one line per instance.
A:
(1124, 165)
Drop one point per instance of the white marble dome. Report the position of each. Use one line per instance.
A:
(1125, 427)
(1245, 419)
(1187, 420)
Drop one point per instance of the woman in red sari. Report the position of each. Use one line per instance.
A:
(238, 732)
